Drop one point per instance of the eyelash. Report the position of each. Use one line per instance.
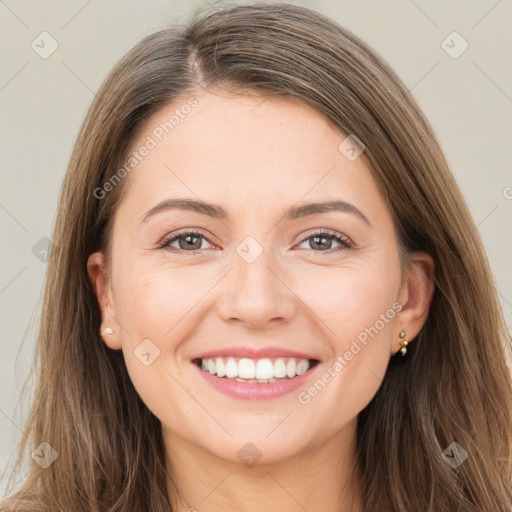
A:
(332, 235)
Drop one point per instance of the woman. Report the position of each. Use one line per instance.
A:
(266, 290)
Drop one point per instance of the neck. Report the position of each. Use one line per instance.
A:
(324, 477)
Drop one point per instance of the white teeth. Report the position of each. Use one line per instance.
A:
(264, 369)
(221, 367)
(246, 369)
(279, 369)
(302, 367)
(261, 381)
(290, 368)
(231, 368)
(261, 370)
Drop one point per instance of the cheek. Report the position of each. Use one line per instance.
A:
(356, 307)
(350, 298)
(360, 348)
(157, 306)
(153, 301)
(152, 305)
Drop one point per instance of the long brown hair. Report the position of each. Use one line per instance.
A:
(454, 385)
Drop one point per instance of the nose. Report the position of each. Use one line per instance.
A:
(256, 294)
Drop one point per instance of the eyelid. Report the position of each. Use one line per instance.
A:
(319, 231)
(168, 239)
(346, 242)
(326, 231)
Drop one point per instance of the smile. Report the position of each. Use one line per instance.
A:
(255, 378)
(255, 370)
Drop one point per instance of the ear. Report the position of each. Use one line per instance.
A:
(103, 289)
(415, 297)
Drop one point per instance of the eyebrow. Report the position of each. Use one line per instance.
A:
(324, 207)
(217, 212)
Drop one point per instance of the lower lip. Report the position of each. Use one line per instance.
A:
(255, 390)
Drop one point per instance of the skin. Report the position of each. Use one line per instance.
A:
(256, 157)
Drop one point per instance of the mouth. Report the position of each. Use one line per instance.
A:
(263, 371)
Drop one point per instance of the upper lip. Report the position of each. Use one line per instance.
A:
(253, 353)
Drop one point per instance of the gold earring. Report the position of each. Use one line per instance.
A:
(403, 350)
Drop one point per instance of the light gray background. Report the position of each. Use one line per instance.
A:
(468, 100)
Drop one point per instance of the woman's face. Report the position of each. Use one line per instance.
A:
(251, 282)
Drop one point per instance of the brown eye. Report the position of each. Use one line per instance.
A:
(192, 241)
(188, 241)
(322, 241)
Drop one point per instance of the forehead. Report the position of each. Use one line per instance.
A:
(243, 151)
